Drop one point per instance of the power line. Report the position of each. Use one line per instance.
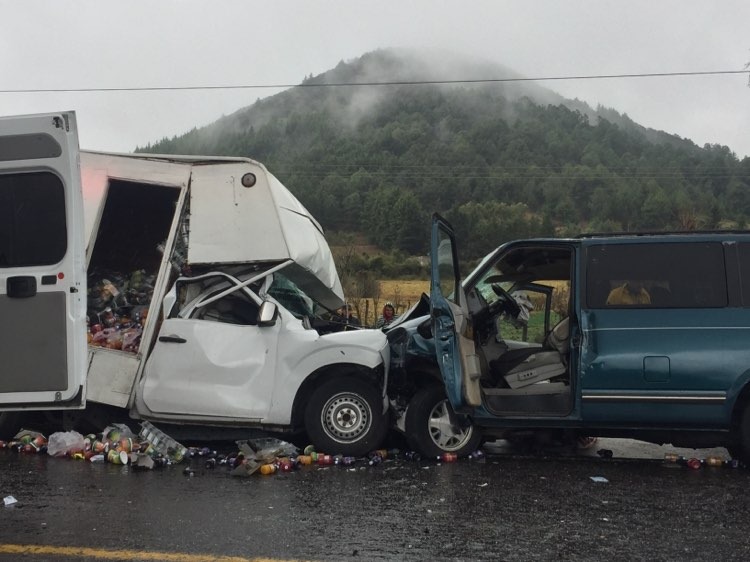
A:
(383, 83)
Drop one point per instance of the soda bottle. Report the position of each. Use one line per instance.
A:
(325, 460)
(694, 463)
(714, 461)
(268, 469)
(448, 457)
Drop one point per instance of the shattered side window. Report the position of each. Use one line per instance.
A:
(291, 297)
(234, 308)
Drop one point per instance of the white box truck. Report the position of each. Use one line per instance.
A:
(215, 317)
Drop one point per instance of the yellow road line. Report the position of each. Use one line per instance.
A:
(83, 552)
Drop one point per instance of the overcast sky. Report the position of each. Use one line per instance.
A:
(60, 44)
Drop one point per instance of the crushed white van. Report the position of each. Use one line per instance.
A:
(198, 283)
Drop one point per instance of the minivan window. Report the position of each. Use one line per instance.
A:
(743, 251)
(662, 275)
(32, 219)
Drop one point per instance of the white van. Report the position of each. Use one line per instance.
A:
(201, 282)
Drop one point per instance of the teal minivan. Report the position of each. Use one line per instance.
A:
(631, 335)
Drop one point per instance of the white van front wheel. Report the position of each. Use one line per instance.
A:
(345, 416)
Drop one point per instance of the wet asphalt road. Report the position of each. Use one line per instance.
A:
(504, 508)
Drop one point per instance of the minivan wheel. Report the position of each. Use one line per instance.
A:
(741, 450)
(431, 429)
(345, 416)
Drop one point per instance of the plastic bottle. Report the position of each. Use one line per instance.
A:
(325, 460)
(714, 461)
(268, 469)
(448, 457)
(375, 460)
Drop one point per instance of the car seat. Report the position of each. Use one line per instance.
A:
(526, 366)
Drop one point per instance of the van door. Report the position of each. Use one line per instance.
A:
(42, 266)
(455, 350)
(213, 358)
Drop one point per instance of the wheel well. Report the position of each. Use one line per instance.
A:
(373, 376)
(418, 374)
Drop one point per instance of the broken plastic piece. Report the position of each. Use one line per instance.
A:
(9, 500)
(163, 443)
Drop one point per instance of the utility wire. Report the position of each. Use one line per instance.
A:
(384, 83)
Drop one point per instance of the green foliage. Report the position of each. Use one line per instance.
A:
(380, 161)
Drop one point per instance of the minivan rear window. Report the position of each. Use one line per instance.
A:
(32, 219)
(663, 275)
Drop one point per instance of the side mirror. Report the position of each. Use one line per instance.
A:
(424, 329)
(267, 314)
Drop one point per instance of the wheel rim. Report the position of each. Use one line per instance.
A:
(346, 417)
(442, 432)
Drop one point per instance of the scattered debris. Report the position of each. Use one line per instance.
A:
(599, 479)
(9, 500)
(697, 464)
(117, 444)
(152, 448)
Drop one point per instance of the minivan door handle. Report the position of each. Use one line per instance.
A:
(20, 287)
(172, 339)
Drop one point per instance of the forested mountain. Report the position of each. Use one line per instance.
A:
(500, 160)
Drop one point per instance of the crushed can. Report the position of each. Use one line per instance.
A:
(412, 456)
(117, 457)
(448, 457)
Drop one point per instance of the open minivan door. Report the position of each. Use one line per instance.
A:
(42, 264)
(454, 346)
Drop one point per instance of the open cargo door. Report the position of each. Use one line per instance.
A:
(42, 269)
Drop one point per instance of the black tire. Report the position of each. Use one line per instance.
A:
(345, 416)
(10, 423)
(741, 448)
(428, 427)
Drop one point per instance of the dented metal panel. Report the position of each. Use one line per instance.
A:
(258, 220)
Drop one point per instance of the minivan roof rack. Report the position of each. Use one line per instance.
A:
(658, 233)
